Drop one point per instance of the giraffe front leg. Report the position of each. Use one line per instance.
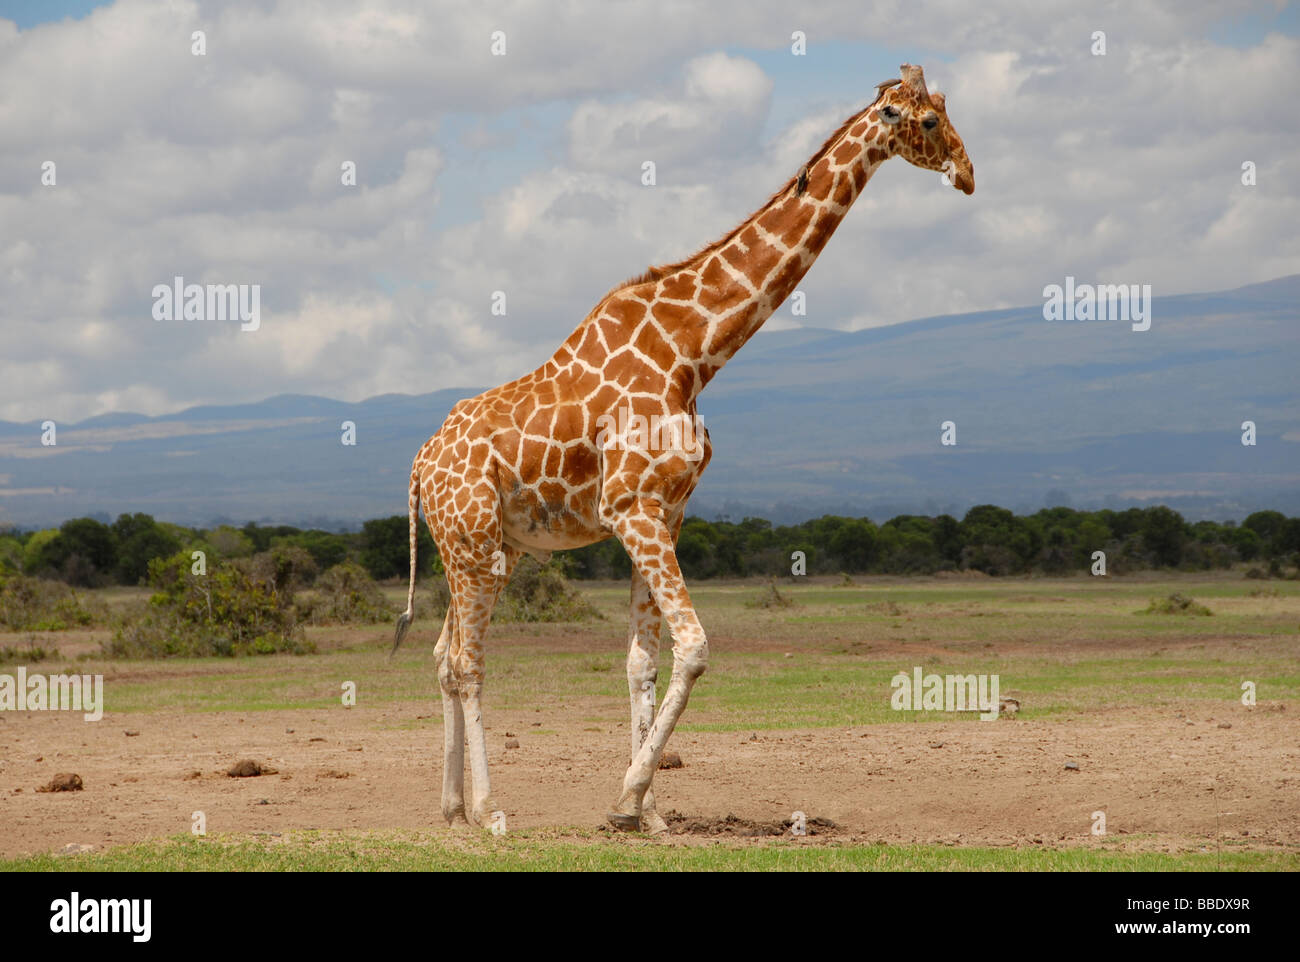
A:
(642, 673)
(649, 544)
(453, 726)
(470, 699)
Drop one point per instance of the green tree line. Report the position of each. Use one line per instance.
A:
(85, 552)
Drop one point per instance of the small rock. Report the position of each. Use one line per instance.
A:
(131, 733)
(1009, 706)
(73, 848)
(315, 739)
(193, 775)
(1225, 724)
(263, 801)
(512, 743)
(63, 782)
(671, 760)
(1071, 766)
(789, 655)
(753, 736)
(537, 724)
(288, 731)
(936, 744)
(510, 734)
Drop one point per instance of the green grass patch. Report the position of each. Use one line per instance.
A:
(542, 852)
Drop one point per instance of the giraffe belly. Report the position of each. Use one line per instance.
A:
(530, 522)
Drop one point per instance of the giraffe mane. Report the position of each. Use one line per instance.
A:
(658, 272)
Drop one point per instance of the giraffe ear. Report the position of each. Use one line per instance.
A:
(883, 86)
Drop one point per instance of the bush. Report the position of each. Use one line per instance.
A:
(1175, 604)
(771, 597)
(282, 570)
(34, 604)
(541, 592)
(30, 655)
(345, 595)
(535, 593)
(235, 609)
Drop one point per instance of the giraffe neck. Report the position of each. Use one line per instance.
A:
(739, 283)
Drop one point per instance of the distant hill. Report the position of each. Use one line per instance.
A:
(803, 422)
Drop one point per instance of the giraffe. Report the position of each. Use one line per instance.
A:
(533, 467)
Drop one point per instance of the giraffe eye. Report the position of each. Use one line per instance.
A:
(890, 114)
(931, 121)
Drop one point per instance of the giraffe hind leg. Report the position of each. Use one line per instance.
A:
(475, 591)
(453, 724)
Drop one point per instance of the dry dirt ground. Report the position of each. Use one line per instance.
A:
(1167, 778)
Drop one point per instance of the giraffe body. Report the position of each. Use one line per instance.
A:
(557, 458)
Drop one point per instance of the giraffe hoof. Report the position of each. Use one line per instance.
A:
(652, 823)
(624, 823)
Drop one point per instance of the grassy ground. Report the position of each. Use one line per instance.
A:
(544, 852)
(1077, 644)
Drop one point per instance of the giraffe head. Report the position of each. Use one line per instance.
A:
(916, 128)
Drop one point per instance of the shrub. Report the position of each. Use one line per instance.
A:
(535, 593)
(541, 592)
(34, 604)
(345, 595)
(282, 570)
(31, 654)
(1175, 604)
(235, 609)
(771, 597)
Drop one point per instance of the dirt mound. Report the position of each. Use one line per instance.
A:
(248, 768)
(63, 782)
(679, 824)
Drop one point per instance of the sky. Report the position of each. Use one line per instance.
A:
(522, 173)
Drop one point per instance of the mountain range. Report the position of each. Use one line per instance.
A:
(803, 422)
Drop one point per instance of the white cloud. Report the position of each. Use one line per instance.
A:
(719, 113)
(225, 168)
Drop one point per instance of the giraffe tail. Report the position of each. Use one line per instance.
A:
(413, 518)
